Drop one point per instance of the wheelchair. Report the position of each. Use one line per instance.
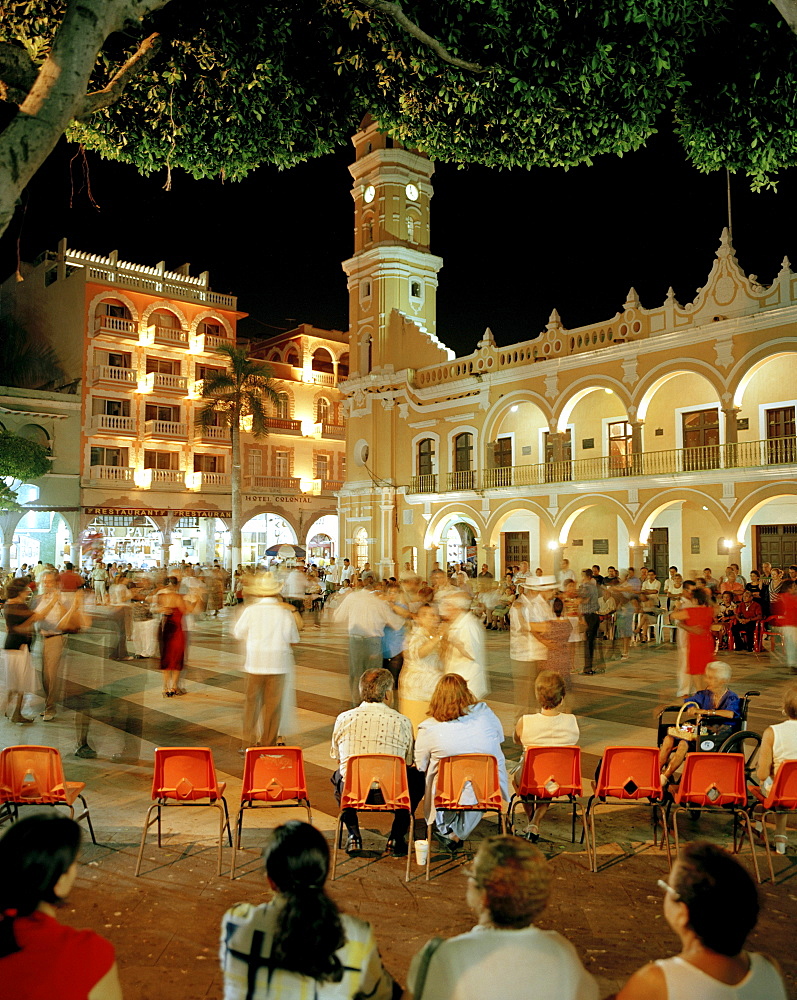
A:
(713, 735)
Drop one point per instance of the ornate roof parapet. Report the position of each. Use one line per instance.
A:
(488, 340)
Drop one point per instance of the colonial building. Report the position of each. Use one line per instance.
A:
(663, 435)
(153, 481)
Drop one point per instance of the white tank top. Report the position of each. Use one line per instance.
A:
(785, 745)
(685, 982)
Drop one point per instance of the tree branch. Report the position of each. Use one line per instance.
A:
(111, 93)
(788, 10)
(396, 14)
(17, 72)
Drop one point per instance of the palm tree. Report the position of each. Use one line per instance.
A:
(26, 361)
(242, 390)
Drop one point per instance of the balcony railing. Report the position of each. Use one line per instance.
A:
(331, 485)
(215, 479)
(424, 484)
(211, 342)
(212, 433)
(677, 461)
(117, 473)
(271, 482)
(282, 424)
(116, 425)
(110, 373)
(320, 378)
(168, 476)
(116, 326)
(337, 431)
(165, 429)
(163, 380)
(169, 334)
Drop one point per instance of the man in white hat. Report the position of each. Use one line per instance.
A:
(527, 650)
(464, 649)
(268, 628)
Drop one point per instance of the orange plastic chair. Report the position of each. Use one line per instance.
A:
(473, 772)
(715, 781)
(184, 776)
(274, 778)
(550, 775)
(627, 776)
(371, 773)
(34, 776)
(782, 800)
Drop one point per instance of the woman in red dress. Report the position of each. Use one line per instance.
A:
(696, 620)
(172, 637)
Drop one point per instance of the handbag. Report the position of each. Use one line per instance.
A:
(687, 731)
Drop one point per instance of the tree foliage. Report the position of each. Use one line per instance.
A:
(26, 361)
(20, 460)
(555, 83)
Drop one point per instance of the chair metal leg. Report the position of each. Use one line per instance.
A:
(429, 841)
(410, 847)
(591, 815)
(309, 812)
(585, 834)
(749, 827)
(236, 844)
(335, 846)
(159, 824)
(87, 815)
(227, 820)
(147, 824)
(766, 843)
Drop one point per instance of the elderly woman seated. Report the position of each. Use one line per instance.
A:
(716, 699)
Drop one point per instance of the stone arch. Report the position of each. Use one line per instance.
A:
(660, 375)
(651, 510)
(568, 514)
(502, 406)
(166, 306)
(316, 517)
(426, 434)
(282, 389)
(259, 509)
(501, 515)
(747, 368)
(322, 359)
(447, 516)
(754, 502)
(110, 293)
(206, 314)
(589, 384)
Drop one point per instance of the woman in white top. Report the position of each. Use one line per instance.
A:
(458, 724)
(299, 946)
(711, 903)
(464, 651)
(779, 744)
(548, 728)
(422, 667)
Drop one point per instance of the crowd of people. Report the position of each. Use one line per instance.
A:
(418, 682)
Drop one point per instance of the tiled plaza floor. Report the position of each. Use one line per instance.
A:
(165, 923)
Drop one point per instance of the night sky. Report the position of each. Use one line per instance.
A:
(515, 243)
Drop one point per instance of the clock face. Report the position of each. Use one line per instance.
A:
(369, 193)
(412, 192)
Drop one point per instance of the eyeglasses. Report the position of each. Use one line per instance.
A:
(666, 887)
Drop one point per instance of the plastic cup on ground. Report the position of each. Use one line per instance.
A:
(421, 851)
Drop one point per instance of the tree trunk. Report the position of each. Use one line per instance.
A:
(59, 92)
(235, 490)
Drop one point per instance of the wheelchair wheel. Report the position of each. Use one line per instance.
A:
(747, 743)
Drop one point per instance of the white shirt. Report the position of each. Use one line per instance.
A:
(268, 629)
(510, 964)
(365, 615)
(540, 730)
(346, 573)
(538, 611)
(472, 665)
(295, 585)
(372, 727)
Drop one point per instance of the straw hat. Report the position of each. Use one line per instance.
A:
(540, 583)
(263, 585)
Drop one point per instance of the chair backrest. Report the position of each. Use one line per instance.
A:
(713, 779)
(371, 773)
(469, 780)
(184, 773)
(629, 773)
(32, 774)
(783, 794)
(273, 774)
(551, 771)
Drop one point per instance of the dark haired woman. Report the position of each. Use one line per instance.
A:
(172, 608)
(711, 903)
(299, 946)
(41, 959)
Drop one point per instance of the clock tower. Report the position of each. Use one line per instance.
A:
(392, 277)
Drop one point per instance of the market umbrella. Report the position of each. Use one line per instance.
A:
(285, 551)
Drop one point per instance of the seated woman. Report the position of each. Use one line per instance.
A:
(505, 955)
(458, 724)
(724, 619)
(714, 699)
(748, 615)
(40, 958)
(711, 904)
(422, 667)
(299, 944)
(778, 744)
(547, 728)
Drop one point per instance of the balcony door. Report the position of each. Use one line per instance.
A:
(502, 462)
(620, 449)
(701, 435)
(780, 435)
